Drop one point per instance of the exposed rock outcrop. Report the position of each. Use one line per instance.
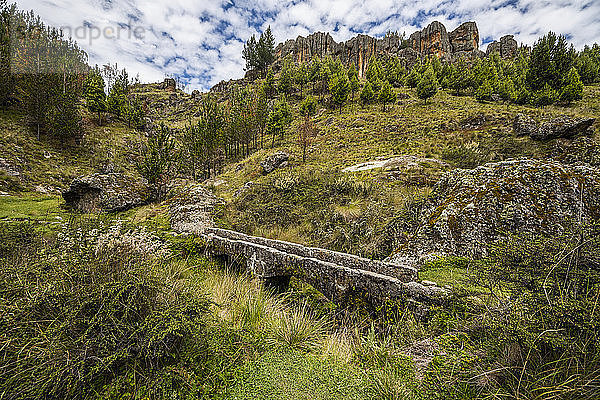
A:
(277, 160)
(564, 127)
(432, 40)
(472, 208)
(560, 127)
(506, 47)
(111, 192)
(193, 209)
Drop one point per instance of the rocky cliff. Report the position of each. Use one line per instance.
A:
(433, 40)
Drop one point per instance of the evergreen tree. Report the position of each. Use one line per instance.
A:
(269, 84)
(279, 118)
(459, 81)
(306, 132)
(284, 83)
(573, 87)
(265, 49)
(374, 70)
(353, 80)
(308, 106)
(134, 114)
(367, 95)
(428, 85)
(507, 90)
(93, 92)
(339, 87)
(6, 80)
(386, 94)
(156, 158)
(250, 54)
(301, 76)
(314, 72)
(414, 77)
(523, 96)
(545, 96)
(484, 92)
(588, 68)
(550, 61)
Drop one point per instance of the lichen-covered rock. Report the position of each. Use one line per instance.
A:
(564, 127)
(110, 192)
(469, 209)
(193, 209)
(524, 125)
(274, 161)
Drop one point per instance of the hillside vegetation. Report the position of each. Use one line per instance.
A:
(119, 305)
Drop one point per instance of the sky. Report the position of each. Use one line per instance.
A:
(201, 41)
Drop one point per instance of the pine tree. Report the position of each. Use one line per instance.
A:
(265, 49)
(301, 76)
(269, 84)
(249, 54)
(367, 95)
(339, 87)
(428, 85)
(353, 80)
(308, 106)
(573, 87)
(284, 83)
(386, 94)
(156, 159)
(134, 114)
(93, 92)
(414, 77)
(545, 96)
(7, 82)
(507, 90)
(484, 92)
(550, 61)
(279, 118)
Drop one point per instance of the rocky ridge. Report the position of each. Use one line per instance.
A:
(432, 40)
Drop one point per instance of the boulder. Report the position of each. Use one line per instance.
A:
(169, 84)
(470, 209)
(111, 192)
(564, 127)
(193, 209)
(274, 161)
(524, 125)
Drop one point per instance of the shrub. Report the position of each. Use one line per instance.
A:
(91, 318)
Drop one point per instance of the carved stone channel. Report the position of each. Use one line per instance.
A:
(337, 275)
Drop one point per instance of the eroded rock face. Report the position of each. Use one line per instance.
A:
(506, 47)
(465, 38)
(432, 40)
(472, 208)
(274, 161)
(110, 192)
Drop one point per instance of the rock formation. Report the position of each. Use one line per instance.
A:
(470, 209)
(560, 127)
(432, 40)
(277, 160)
(111, 192)
(506, 47)
(192, 209)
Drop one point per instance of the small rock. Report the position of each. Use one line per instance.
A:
(274, 161)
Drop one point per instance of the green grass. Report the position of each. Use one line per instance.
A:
(299, 376)
(31, 206)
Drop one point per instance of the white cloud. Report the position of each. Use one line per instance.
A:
(201, 41)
